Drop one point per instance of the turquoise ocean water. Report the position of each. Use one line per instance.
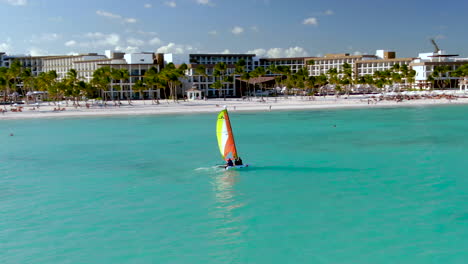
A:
(331, 186)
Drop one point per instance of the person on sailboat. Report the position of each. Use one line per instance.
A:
(229, 163)
(238, 161)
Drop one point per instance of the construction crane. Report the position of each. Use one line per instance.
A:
(436, 48)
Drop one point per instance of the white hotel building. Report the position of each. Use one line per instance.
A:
(136, 63)
(360, 64)
(204, 83)
(426, 62)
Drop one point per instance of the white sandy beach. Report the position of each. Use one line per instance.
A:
(46, 110)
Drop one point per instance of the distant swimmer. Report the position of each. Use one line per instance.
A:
(11, 134)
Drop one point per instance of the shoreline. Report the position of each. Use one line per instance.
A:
(139, 108)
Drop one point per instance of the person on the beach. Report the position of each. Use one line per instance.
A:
(229, 163)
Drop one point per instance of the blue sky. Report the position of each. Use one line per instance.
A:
(270, 28)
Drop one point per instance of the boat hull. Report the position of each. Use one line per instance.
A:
(237, 167)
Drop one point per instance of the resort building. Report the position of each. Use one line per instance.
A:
(204, 81)
(34, 63)
(63, 64)
(384, 61)
(136, 64)
(321, 65)
(438, 61)
(295, 64)
(86, 64)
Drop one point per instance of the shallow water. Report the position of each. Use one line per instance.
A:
(330, 186)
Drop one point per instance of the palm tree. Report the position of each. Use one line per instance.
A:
(151, 79)
(181, 72)
(461, 72)
(239, 69)
(3, 79)
(86, 89)
(28, 82)
(115, 75)
(72, 90)
(246, 77)
(12, 75)
(258, 72)
(411, 75)
(219, 72)
(124, 78)
(347, 78)
(102, 80)
(121, 75)
(285, 71)
(218, 86)
(139, 86)
(171, 75)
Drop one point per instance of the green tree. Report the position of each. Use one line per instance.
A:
(347, 79)
(102, 80)
(71, 89)
(28, 82)
(219, 73)
(246, 77)
(257, 73)
(239, 69)
(12, 75)
(140, 87)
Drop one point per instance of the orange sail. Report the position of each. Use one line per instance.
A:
(226, 143)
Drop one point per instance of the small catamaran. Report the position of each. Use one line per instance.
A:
(227, 145)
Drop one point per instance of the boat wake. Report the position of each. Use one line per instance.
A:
(212, 168)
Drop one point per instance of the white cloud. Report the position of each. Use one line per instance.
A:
(37, 52)
(237, 30)
(45, 37)
(171, 4)
(280, 52)
(107, 14)
(135, 42)
(213, 32)
(6, 47)
(226, 51)
(329, 12)
(310, 21)
(148, 5)
(106, 39)
(115, 16)
(175, 49)
(128, 49)
(130, 20)
(205, 2)
(145, 33)
(155, 41)
(96, 40)
(296, 52)
(16, 2)
(357, 53)
(71, 43)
